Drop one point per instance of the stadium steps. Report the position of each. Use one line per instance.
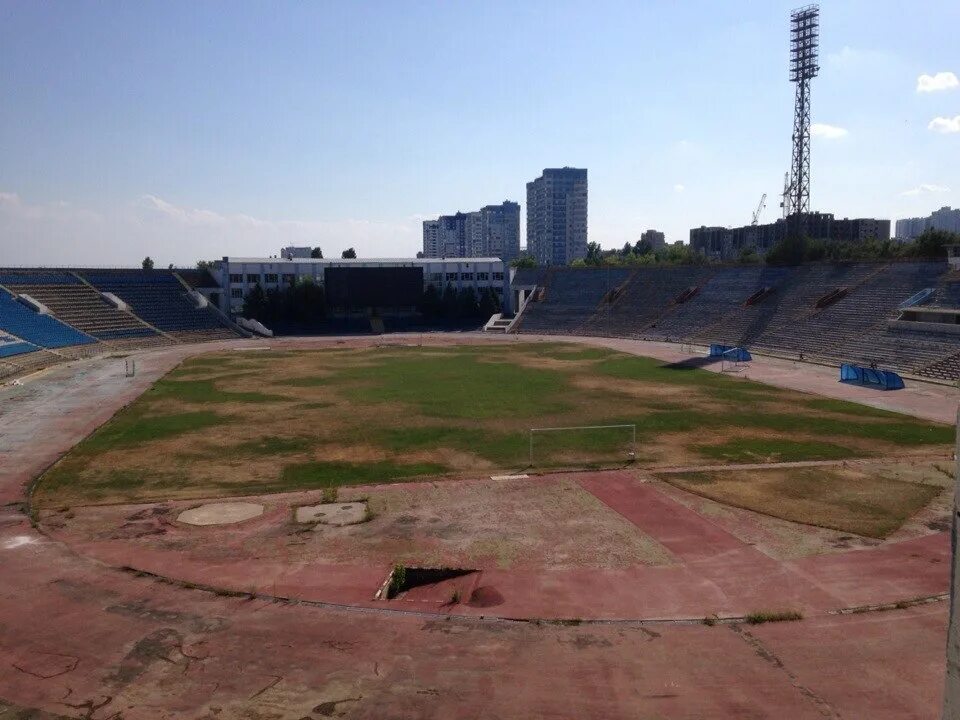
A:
(947, 368)
(719, 311)
(645, 297)
(82, 307)
(132, 313)
(570, 297)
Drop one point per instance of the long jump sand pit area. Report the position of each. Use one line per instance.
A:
(619, 592)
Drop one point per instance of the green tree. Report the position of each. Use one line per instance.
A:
(594, 254)
(489, 303)
(255, 304)
(430, 302)
(525, 261)
(349, 254)
(147, 263)
(932, 243)
(467, 304)
(789, 251)
(448, 303)
(317, 253)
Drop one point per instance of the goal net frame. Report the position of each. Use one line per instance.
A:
(631, 455)
(730, 360)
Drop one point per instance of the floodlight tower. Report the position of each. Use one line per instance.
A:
(804, 46)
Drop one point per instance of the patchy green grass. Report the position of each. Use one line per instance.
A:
(272, 445)
(310, 475)
(131, 427)
(204, 392)
(767, 616)
(308, 381)
(459, 386)
(272, 421)
(755, 450)
(861, 502)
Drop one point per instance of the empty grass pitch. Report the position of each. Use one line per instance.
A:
(247, 423)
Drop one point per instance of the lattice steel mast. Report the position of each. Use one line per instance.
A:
(804, 47)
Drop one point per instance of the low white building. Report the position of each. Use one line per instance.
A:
(237, 276)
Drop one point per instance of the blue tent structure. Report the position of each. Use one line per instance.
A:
(870, 377)
(730, 352)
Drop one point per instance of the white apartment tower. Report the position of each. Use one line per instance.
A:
(493, 231)
(557, 216)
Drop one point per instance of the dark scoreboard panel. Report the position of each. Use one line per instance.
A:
(363, 287)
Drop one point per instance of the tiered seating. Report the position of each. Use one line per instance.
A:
(849, 327)
(778, 321)
(159, 298)
(725, 293)
(28, 362)
(947, 368)
(571, 296)
(853, 327)
(10, 346)
(43, 330)
(906, 350)
(77, 304)
(947, 292)
(648, 294)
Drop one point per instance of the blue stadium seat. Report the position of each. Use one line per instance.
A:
(43, 330)
(158, 297)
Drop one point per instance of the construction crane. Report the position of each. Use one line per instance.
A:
(760, 207)
(785, 196)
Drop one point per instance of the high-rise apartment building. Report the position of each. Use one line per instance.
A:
(493, 231)
(945, 218)
(500, 230)
(557, 216)
(654, 238)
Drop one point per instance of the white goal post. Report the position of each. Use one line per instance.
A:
(730, 360)
(574, 428)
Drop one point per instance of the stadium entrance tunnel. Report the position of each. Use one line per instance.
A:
(433, 585)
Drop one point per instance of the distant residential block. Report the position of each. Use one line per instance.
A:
(945, 218)
(492, 231)
(557, 216)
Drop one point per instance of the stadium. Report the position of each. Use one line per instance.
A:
(649, 476)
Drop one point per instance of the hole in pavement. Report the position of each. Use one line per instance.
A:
(403, 578)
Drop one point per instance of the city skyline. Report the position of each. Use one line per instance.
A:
(185, 133)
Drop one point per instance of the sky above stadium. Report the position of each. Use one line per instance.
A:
(194, 130)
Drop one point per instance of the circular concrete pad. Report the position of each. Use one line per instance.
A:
(339, 514)
(220, 513)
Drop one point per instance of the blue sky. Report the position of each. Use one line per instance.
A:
(188, 130)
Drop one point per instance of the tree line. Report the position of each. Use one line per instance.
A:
(930, 244)
(304, 304)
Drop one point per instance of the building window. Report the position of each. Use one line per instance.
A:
(270, 277)
(451, 277)
(498, 276)
(236, 277)
(251, 278)
(466, 276)
(236, 293)
(436, 277)
(289, 278)
(483, 276)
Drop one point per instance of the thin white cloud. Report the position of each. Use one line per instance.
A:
(925, 189)
(828, 132)
(678, 188)
(64, 234)
(937, 83)
(945, 125)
